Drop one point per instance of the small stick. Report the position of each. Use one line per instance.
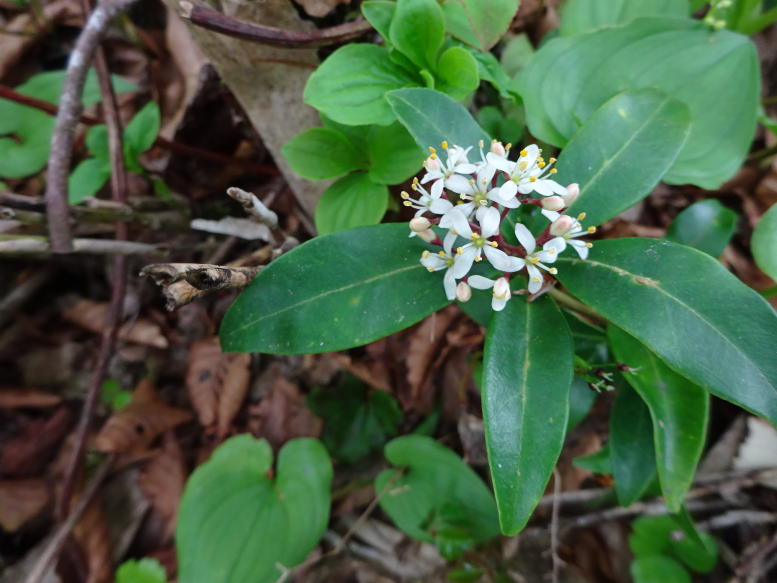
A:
(23, 245)
(210, 19)
(254, 207)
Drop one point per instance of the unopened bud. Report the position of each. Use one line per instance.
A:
(573, 191)
(427, 235)
(432, 163)
(463, 291)
(501, 288)
(497, 148)
(419, 224)
(553, 203)
(562, 225)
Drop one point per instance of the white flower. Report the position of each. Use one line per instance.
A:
(549, 254)
(500, 286)
(447, 175)
(426, 202)
(444, 259)
(569, 229)
(478, 191)
(528, 173)
(478, 242)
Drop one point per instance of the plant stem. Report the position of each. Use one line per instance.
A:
(568, 301)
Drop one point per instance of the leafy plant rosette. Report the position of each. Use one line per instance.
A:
(494, 220)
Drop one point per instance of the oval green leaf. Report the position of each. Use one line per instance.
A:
(705, 225)
(527, 374)
(696, 316)
(335, 292)
(764, 243)
(237, 525)
(579, 16)
(570, 78)
(432, 117)
(479, 23)
(350, 85)
(623, 150)
(352, 201)
(321, 153)
(417, 29)
(457, 71)
(658, 568)
(679, 410)
(394, 155)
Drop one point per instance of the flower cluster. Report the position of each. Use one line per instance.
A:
(471, 199)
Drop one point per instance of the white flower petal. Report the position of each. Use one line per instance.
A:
(449, 284)
(500, 163)
(557, 243)
(437, 188)
(489, 222)
(434, 261)
(460, 223)
(459, 184)
(535, 278)
(542, 187)
(507, 191)
(556, 187)
(498, 304)
(431, 175)
(525, 238)
(581, 248)
(463, 262)
(465, 168)
(448, 241)
(480, 282)
(485, 175)
(550, 215)
(440, 206)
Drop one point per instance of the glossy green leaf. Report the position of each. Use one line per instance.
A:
(598, 462)
(623, 150)
(631, 446)
(674, 536)
(97, 142)
(88, 178)
(679, 411)
(516, 54)
(570, 78)
(238, 525)
(432, 117)
(658, 568)
(142, 571)
(434, 492)
(705, 225)
(764, 243)
(457, 72)
(490, 70)
(579, 16)
(417, 29)
(496, 124)
(379, 14)
(581, 399)
(142, 130)
(350, 85)
(479, 23)
(689, 310)
(527, 373)
(352, 201)
(394, 155)
(335, 292)
(357, 420)
(321, 153)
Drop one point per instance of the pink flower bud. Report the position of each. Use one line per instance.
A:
(432, 163)
(501, 288)
(427, 235)
(553, 203)
(562, 225)
(419, 224)
(463, 291)
(497, 148)
(573, 191)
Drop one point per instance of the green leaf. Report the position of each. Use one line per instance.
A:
(379, 14)
(631, 447)
(489, 69)
(394, 155)
(764, 243)
(349, 86)
(97, 142)
(570, 78)
(357, 420)
(142, 571)
(679, 411)
(417, 29)
(673, 536)
(658, 568)
(88, 178)
(516, 54)
(581, 399)
(237, 525)
(352, 201)
(623, 150)
(432, 117)
(434, 492)
(321, 153)
(692, 313)
(457, 71)
(142, 130)
(706, 225)
(479, 23)
(527, 373)
(335, 292)
(598, 462)
(578, 16)
(113, 396)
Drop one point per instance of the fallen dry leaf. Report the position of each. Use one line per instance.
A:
(31, 448)
(423, 348)
(217, 383)
(162, 481)
(91, 315)
(18, 398)
(21, 500)
(94, 540)
(133, 428)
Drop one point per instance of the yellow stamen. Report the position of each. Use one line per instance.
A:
(480, 143)
(444, 145)
(581, 216)
(533, 260)
(553, 271)
(536, 279)
(589, 245)
(492, 243)
(552, 160)
(553, 170)
(425, 254)
(459, 251)
(507, 147)
(430, 269)
(541, 165)
(532, 179)
(433, 156)
(523, 152)
(478, 259)
(591, 230)
(432, 150)
(441, 253)
(404, 195)
(407, 203)
(471, 181)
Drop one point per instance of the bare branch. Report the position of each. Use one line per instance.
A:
(254, 207)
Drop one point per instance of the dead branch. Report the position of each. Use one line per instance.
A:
(254, 207)
(22, 245)
(210, 19)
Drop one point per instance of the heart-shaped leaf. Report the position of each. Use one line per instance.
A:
(692, 313)
(237, 525)
(335, 292)
(527, 374)
(623, 150)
